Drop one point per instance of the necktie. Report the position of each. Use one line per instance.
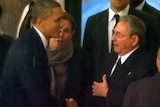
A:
(116, 67)
(26, 22)
(116, 16)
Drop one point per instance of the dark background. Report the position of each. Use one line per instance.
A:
(12, 10)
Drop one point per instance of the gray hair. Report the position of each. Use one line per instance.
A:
(137, 27)
(43, 9)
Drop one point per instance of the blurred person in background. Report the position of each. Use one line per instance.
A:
(142, 5)
(24, 23)
(67, 63)
(144, 92)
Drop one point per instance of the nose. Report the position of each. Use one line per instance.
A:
(61, 33)
(61, 28)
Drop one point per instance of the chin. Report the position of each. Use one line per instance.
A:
(115, 50)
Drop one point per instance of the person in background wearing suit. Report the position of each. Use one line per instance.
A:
(98, 32)
(26, 74)
(24, 23)
(144, 92)
(5, 43)
(113, 78)
(142, 5)
(67, 65)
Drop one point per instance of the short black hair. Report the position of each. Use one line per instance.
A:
(0, 10)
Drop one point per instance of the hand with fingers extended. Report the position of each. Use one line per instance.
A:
(70, 102)
(100, 88)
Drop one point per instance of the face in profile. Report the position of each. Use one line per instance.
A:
(123, 42)
(51, 25)
(65, 35)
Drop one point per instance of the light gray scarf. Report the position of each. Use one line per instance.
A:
(60, 55)
(56, 57)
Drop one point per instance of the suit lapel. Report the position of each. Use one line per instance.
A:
(40, 60)
(110, 63)
(38, 50)
(130, 62)
(145, 7)
(127, 64)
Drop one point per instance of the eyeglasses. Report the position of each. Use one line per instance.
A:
(119, 35)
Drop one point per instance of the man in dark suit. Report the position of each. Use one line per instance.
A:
(98, 32)
(24, 23)
(113, 78)
(25, 79)
(144, 92)
(142, 5)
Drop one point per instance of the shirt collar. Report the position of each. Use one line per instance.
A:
(140, 6)
(124, 57)
(121, 13)
(43, 38)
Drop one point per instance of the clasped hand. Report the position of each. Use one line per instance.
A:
(100, 89)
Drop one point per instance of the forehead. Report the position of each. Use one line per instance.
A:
(57, 12)
(66, 22)
(122, 26)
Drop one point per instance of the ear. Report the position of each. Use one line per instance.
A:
(135, 40)
(39, 24)
(39, 21)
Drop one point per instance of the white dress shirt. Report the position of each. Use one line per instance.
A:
(43, 38)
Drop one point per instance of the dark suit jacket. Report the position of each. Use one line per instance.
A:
(96, 36)
(25, 81)
(5, 43)
(138, 65)
(143, 93)
(151, 10)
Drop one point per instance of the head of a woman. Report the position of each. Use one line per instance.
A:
(67, 31)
